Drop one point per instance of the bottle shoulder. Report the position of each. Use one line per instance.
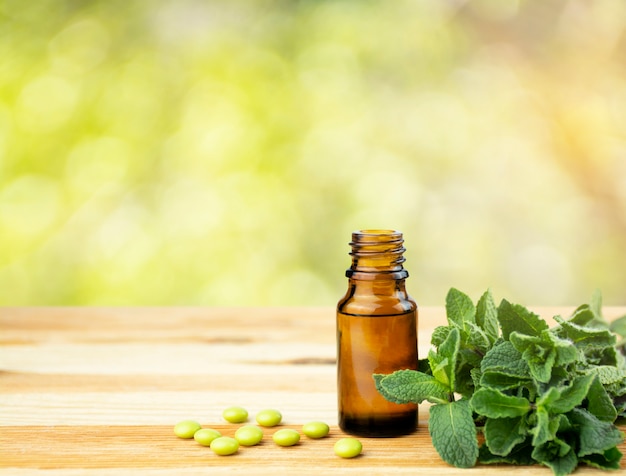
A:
(372, 305)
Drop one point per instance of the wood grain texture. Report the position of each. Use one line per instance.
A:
(98, 390)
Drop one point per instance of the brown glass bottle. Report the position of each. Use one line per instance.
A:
(376, 333)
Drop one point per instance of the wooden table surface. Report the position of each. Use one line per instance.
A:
(98, 391)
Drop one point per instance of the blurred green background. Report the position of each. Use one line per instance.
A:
(190, 152)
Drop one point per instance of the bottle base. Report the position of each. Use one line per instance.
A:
(379, 427)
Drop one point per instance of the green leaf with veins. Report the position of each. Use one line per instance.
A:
(443, 362)
(618, 326)
(595, 303)
(595, 436)
(477, 340)
(609, 460)
(557, 455)
(505, 359)
(503, 434)
(459, 308)
(410, 386)
(584, 337)
(545, 428)
(440, 334)
(520, 455)
(516, 318)
(570, 396)
(494, 404)
(600, 403)
(487, 316)
(453, 433)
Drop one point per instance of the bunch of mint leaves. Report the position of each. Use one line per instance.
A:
(538, 395)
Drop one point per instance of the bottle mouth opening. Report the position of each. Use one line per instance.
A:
(377, 232)
(376, 236)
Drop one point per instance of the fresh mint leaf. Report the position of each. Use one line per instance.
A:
(583, 336)
(540, 363)
(475, 375)
(609, 460)
(520, 455)
(550, 396)
(440, 369)
(410, 386)
(599, 356)
(559, 456)
(464, 383)
(516, 318)
(474, 345)
(501, 381)
(459, 308)
(608, 374)
(494, 404)
(378, 378)
(570, 396)
(618, 326)
(522, 342)
(487, 316)
(588, 315)
(595, 304)
(440, 334)
(595, 436)
(543, 352)
(538, 353)
(544, 428)
(505, 358)
(443, 362)
(600, 403)
(478, 342)
(582, 316)
(453, 433)
(566, 352)
(504, 434)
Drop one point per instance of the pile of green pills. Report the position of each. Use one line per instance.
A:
(251, 435)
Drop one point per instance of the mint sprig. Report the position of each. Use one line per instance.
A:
(539, 395)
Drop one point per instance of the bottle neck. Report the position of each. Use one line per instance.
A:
(376, 255)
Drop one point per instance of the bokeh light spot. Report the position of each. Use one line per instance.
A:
(46, 103)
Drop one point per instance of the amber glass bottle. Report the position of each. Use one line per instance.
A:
(376, 333)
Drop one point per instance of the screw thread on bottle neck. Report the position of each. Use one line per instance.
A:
(377, 254)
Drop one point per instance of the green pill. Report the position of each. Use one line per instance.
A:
(224, 445)
(315, 429)
(235, 414)
(286, 437)
(269, 417)
(186, 429)
(348, 447)
(249, 435)
(206, 435)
